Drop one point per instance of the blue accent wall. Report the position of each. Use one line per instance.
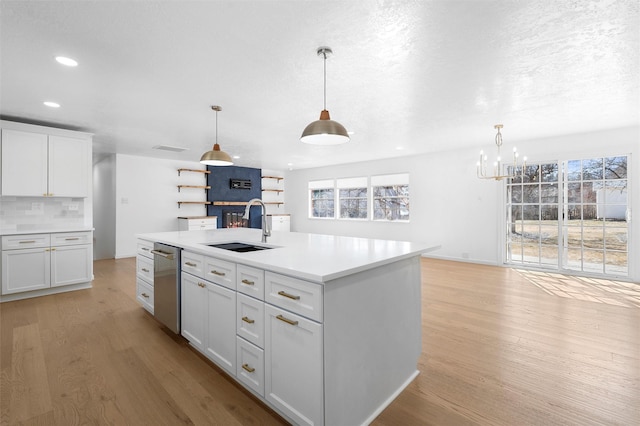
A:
(219, 180)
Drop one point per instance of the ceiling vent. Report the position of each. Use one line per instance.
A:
(170, 148)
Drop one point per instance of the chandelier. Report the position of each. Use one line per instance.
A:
(481, 166)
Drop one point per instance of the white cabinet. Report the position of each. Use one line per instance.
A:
(37, 164)
(221, 327)
(208, 310)
(42, 261)
(280, 222)
(293, 347)
(144, 275)
(197, 223)
(193, 314)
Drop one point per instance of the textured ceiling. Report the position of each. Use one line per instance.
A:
(421, 75)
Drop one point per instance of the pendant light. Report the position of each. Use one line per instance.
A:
(325, 131)
(216, 157)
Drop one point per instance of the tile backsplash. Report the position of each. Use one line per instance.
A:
(34, 213)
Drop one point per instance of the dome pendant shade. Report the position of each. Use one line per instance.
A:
(324, 131)
(215, 157)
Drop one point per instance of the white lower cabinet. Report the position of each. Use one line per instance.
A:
(274, 349)
(208, 320)
(221, 327)
(42, 261)
(293, 365)
(193, 319)
(144, 275)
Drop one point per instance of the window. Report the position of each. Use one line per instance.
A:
(390, 194)
(570, 215)
(322, 199)
(353, 198)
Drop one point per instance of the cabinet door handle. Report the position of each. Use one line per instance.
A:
(201, 285)
(145, 295)
(248, 320)
(287, 320)
(290, 296)
(161, 253)
(218, 273)
(249, 369)
(247, 282)
(145, 249)
(72, 239)
(190, 264)
(145, 270)
(27, 242)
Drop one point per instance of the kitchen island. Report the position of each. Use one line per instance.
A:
(324, 329)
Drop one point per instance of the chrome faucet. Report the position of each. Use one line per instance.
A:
(266, 231)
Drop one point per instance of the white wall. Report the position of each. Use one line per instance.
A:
(450, 206)
(104, 208)
(146, 198)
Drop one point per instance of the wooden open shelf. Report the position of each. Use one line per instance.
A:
(193, 170)
(193, 186)
(193, 202)
(273, 190)
(278, 178)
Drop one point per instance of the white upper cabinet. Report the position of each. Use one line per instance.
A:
(36, 164)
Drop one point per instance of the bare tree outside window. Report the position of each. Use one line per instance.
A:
(391, 202)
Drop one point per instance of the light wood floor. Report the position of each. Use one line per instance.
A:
(498, 349)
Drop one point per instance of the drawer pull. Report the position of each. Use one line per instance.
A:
(249, 369)
(248, 320)
(145, 295)
(218, 273)
(145, 270)
(201, 285)
(290, 296)
(72, 239)
(190, 264)
(27, 242)
(145, 249)
(247, 282)
(287, 320)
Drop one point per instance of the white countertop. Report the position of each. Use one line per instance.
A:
(314, 257)
(24, 230)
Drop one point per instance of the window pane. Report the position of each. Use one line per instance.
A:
(531, 212)
(616, 263)
(574, 168)
(574, 212)
(549, 255)
(549, 193)
(549, 172)
(549, 212)
(391, 202)
(573, 236)
(615, 168)
(593, 261)
(615, 238)
(531, 193)
(532, 173)
(592, 169)
(574, 192)
(549, 235)
(516, 193)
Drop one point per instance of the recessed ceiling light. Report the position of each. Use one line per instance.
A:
(52, 104)
(399, 148)
(67, 61)
(289, 164)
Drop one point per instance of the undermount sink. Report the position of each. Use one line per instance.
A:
(239, 247)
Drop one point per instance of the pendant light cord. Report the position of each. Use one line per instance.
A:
(324, 54)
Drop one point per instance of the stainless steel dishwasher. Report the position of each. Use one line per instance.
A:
(166, 285)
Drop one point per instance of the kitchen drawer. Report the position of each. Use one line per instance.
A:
(193, 264)
(298, 296)
(11, 242)
(250, 281)
(220, 272)
(144, 268)
(145, 247)
(144, 294)
(250, 365)
(70, 238)
(201, 227)
(250, 319)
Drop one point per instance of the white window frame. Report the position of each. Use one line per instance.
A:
(389, 180)
(353, 183)
(327, 184)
